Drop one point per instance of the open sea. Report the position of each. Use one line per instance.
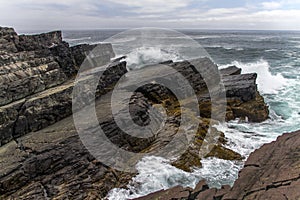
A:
(273, 55)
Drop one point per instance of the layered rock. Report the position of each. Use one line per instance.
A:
(7, 43)
(36, 79)
(46, 159)
(271, 172)
(244, 101)
(53, 163)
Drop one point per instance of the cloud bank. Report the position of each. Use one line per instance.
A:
(203, 14)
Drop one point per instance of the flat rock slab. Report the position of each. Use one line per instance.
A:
(271, 172)
(231, 70)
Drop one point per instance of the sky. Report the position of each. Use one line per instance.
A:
(26, 15)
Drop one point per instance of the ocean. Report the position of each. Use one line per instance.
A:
(273, 55)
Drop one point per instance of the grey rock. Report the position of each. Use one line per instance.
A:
(8, 38)
(241, 86)
(104, 52)
(38, 70)
(39, 41)
(231, 70)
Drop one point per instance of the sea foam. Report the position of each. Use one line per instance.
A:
(154, 174)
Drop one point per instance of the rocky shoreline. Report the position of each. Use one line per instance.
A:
(42, 157)
(271, 172)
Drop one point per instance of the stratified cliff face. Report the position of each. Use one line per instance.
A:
(37, 77)
(36, 80)
(42, 156)
(271, 172)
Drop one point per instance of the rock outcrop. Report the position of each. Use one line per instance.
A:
(36, 79)
(53, 163)
(271, 172)
(42, 156)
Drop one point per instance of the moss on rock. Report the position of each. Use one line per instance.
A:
(255, 110)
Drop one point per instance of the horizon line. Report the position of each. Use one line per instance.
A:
(24, 31)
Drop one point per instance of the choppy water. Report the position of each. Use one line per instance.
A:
(273, 55)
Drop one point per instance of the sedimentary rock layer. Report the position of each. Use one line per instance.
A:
(36, 79)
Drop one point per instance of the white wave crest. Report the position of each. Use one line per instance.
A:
(268, 83)
(150, 55)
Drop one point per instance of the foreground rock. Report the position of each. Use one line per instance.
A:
(271, 172)
(53, 163)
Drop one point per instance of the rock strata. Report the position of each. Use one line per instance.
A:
(53, 163)
(36, 79)
(41, 155)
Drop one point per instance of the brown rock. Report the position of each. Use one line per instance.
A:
(271, 172)
(255, 110)
(173, 193)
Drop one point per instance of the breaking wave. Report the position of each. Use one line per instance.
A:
(268, 83)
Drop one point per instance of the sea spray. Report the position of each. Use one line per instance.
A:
(150, 55)
(273, 55)
(268, 83)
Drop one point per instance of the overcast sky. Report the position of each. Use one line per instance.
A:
(204, 14)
